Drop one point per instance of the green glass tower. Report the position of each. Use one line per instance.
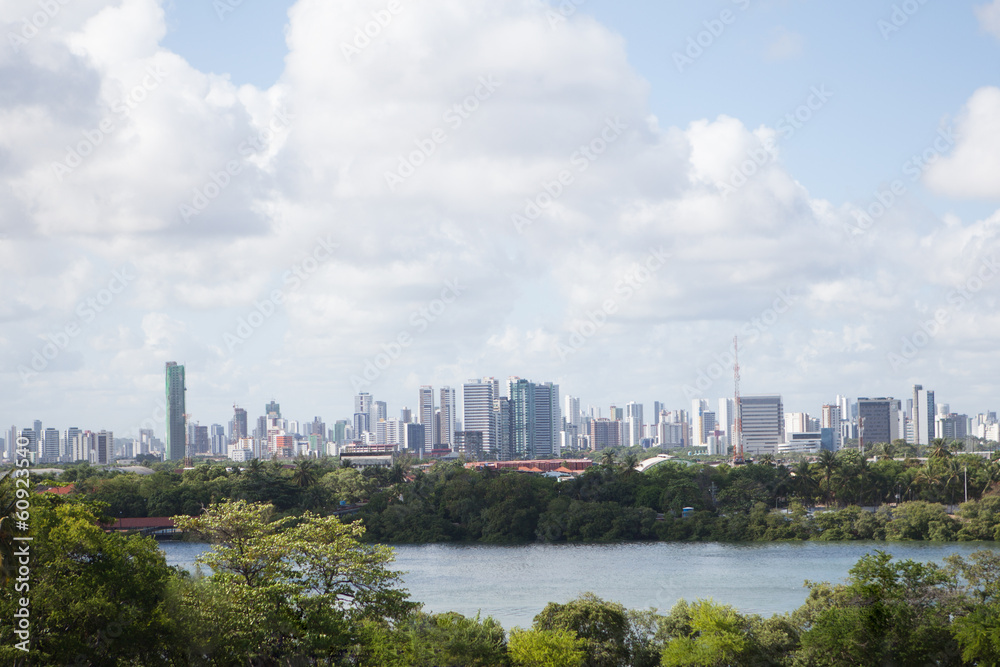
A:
(176, 431)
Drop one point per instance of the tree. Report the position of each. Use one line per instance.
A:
(95, 598)
(546, 648)
(603, 626)
(295, 588)
(305, 474)
(888, 613)
(978, 632)
(828, 465)
(715, 637)
(452, 640)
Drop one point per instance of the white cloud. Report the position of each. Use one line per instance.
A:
(972, 168)
(550, 97)
(989, 17)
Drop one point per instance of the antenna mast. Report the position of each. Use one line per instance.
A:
(738, 440)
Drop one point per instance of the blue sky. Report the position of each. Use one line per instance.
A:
(892, 89)
(203, 264)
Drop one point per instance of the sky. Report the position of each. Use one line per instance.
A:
(303, 200)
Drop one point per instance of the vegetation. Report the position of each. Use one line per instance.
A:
(306, 590)
(842, 496)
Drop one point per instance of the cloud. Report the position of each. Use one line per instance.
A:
(415, 151)
(989, 17)
(972, 167)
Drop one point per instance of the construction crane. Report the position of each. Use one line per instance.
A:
(738, 440)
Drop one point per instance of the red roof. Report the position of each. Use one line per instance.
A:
(61, 490)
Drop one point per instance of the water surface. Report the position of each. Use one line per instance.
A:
(514, 583)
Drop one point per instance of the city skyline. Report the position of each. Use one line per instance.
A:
(603, 209)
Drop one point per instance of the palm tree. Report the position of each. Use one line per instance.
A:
(939, 449)
(828, 465)
(805, 486)
(608, 458)
(883, 451)
(305, 474)
(628, 463)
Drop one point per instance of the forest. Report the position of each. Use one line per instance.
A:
(947, 495)
(309, 590)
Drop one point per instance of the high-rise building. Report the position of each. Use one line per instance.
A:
(176, 431)
(831, 419)
(571, 411)
(503, 418)
(415, 440)
(105, 446)
(522, 398)
(239, 424)
(633, 423)
(446, 435)
(924, 413)
(272, 410)
(796, 422)
(762, 419)
(406, 416)
(425, 408)
(362, 414)
(604, 433)
(548, 420)
(50, 445)
(379, 411)
(699, 407)
(220, 444)
(70, 444)
(879, 419)
(478, 411)
(725, 417)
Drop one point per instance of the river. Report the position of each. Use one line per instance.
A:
(514, 583)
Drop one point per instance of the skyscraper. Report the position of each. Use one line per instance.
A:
(105, 447)
(425, 410)
(548, 420)
(176, 431)
(924, 413)
(763, 423)
(447, 421)
(522, 399)
(633, 423)
(879, 419)
(50, 445)
(239, 424)
(478, 411)
(362, 414)
(831, 419)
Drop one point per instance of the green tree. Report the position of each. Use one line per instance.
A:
(603, 626)
(888, 613)
(978, 632)
(296, 588)
(305, 473)
(546, 648)
(95, 598)
(715, 636)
